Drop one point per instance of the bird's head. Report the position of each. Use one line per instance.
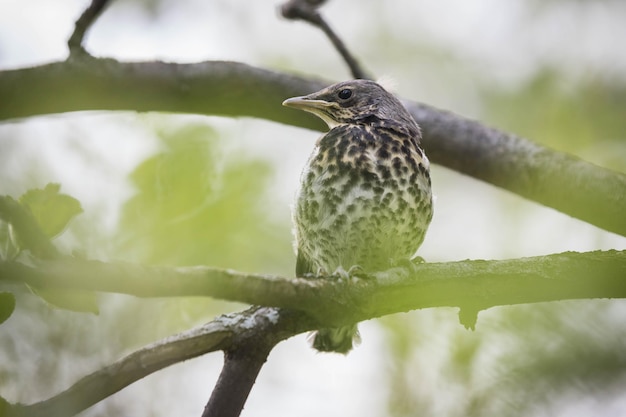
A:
(352, 102)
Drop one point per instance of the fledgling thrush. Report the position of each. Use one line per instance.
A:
(365, 200)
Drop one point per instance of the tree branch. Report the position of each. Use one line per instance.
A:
(555, 179)
(307, 10)
(238, 375)
(243, 361)
(472, 285)
(247, 337)
(266, 326)
(84, 22)
(563, 182)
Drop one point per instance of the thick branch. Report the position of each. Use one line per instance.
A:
(555, 179)
(243, 361)
(568, 184)
(227, 333)
(472, 285)
(238, 375)
(247, 337)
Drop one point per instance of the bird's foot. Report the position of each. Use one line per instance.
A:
(412, 265)
(309, 275)
(417, 260)
(355, 272)
(341, 274)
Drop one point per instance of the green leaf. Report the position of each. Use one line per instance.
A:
(195, 205)
(52, 209)
(7, 305)
(72, 300)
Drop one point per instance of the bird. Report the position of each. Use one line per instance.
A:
(365, 198)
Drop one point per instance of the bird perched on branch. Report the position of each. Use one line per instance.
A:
(365, 200)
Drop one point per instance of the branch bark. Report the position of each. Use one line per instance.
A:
(563, 182)
(230, 333)
(84, 22)
(247, 337)
(472, 285)
(240, 370)
(247, 354)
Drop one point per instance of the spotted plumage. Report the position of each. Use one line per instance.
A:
(365, 198)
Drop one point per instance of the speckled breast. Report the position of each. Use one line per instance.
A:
(365, 199)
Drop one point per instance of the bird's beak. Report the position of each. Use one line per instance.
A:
(320, 108)
(306, 103)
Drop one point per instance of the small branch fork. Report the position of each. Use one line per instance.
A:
(84, 22)
(246, 338)
(249, 351)
(307, 10)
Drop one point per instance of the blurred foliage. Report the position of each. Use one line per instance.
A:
(78, 301)
(193, 206)
(52, 210)
(37, 215)
(553, 349)
(41, 214)
(7, 305)
(150, 7)
(521, 359)
(585, 117)
(196, 205)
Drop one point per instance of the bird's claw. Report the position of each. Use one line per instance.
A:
(341, 274)
(355, 272)
(412, 265)
(309, 275)
(417, 260)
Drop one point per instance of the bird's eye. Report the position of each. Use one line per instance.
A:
(345, 94)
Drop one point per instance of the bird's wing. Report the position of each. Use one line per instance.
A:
(303, 265)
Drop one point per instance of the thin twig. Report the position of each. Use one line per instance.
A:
(307, 10)
(84, 22)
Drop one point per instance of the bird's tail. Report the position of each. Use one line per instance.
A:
(338, 339)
